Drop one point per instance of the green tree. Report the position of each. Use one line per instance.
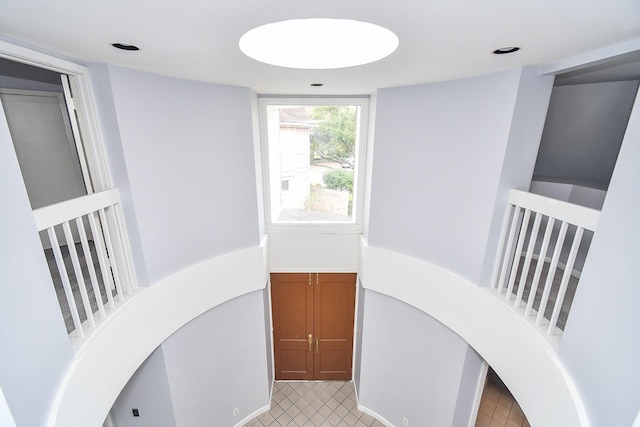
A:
(339, 179)
(335, 136)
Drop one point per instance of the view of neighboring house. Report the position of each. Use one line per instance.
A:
(303, 195)
(293, 145)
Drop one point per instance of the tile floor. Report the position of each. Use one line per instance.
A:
(314, 404)
(498, 408)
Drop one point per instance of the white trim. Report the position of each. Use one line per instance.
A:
(354, 226)
(78, 144)
(253, 415)
(482, 380)
(95, 153)
(271, 331)
(355, 332)
(108, 422)
(368, 411)
(79, 80)
(38, 59)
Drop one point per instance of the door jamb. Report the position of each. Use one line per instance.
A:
(79, 81)
(482, 381)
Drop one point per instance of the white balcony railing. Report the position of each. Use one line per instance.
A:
(538, 271)
(87, 257)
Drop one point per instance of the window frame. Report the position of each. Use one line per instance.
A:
(353, 226)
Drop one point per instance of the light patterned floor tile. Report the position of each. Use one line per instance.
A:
(314, 404)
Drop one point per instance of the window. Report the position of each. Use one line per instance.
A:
(313, 151)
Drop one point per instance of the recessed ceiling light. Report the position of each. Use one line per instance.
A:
(316, 84)
(318, 44)
(125, 46)
(505, 50)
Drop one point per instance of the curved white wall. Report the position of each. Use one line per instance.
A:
(101, 371)
(182, 154)
(527, 364)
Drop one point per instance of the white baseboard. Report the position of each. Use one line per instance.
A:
(255, 414)
(374, 415)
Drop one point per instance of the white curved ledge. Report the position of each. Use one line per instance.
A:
(525, 361)
(100, 371)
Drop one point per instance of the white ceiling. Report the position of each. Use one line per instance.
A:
(439, 40)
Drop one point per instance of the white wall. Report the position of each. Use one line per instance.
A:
(583, 132)
(43, 141)
(217, 362)
(315, 252)
(35, 346)
(148, 391)
(438, 159)
(527, 123)
(472, 379)
(188, 152)
(411, 364)
(101, 82)
(600, 344)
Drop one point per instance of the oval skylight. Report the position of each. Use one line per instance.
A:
(318, 43)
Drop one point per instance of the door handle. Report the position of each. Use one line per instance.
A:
(310, 342)
(317, 341)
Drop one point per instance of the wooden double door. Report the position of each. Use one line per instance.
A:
(313, 316)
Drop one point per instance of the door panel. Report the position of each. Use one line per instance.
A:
(334, 305)
(292, 305)
(317, 305)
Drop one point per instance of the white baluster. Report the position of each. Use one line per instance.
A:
(542, 256)
(114, 265)
(533, 238)
(78, 272)
(62, 270)
(507, 256)
(103, 261)
(565, 280)
(88, 259)
(552, 271)
(518, 254)
(502, 243)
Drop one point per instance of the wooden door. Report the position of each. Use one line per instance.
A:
(292, 306)
(333, 311)
(313, 318)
